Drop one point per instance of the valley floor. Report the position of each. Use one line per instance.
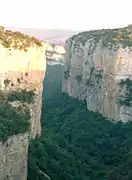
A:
(77, 144)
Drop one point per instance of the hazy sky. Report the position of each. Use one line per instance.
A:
(69, 14)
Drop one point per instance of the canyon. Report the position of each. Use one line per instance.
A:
(97, 70)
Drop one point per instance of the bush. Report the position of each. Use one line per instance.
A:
(79, 78)
(67, 73)
(13, 121)
(23, 96)
(7, 82)
(127, 98)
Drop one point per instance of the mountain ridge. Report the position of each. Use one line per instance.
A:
(59, 36)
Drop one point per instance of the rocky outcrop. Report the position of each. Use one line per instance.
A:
(22, 73)
(98, 69)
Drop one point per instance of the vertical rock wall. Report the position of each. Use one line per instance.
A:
(24, 70)
(95, 64)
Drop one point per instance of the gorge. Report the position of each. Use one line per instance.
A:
(78, 139)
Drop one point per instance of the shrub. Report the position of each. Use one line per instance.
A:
(12, 121)
(18, 80)
(7, 82)
(6, 44)
(79, 78)
(26, 74)
(23, 96)
(99, 74)
(2, 96)
(127, 98)
(67, 73)
(13, 117)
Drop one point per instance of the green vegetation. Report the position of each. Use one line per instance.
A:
(26, 74)
(79, 78)
(99, 74)
(13, 120)
(17, 40)
(22, 96)
(127, 97)
(7, 82)
(18, 80)
(67, 73)
(77, 144)
(109, 37)
(123, 171)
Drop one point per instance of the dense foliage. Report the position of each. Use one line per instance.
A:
(23, 96)
(126, 86)
(77, 144)
(13, 120)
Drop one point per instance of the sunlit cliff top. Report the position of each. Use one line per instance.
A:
(17, 40)
(109, 37)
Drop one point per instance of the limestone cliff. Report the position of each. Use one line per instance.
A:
(22, 70)
(98, 69)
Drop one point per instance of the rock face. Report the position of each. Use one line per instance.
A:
(21, 70)
(98, 69)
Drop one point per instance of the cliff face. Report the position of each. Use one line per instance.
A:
(21, 76)
(98, 69)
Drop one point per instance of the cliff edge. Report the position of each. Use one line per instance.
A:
(22, 71)
(98, 69)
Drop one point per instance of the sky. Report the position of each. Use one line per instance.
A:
(66, 14)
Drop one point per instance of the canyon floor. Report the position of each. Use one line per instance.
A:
(77, 144)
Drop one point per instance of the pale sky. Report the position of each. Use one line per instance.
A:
(66, 14)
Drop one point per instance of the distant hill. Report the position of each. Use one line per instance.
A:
(58, 36)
